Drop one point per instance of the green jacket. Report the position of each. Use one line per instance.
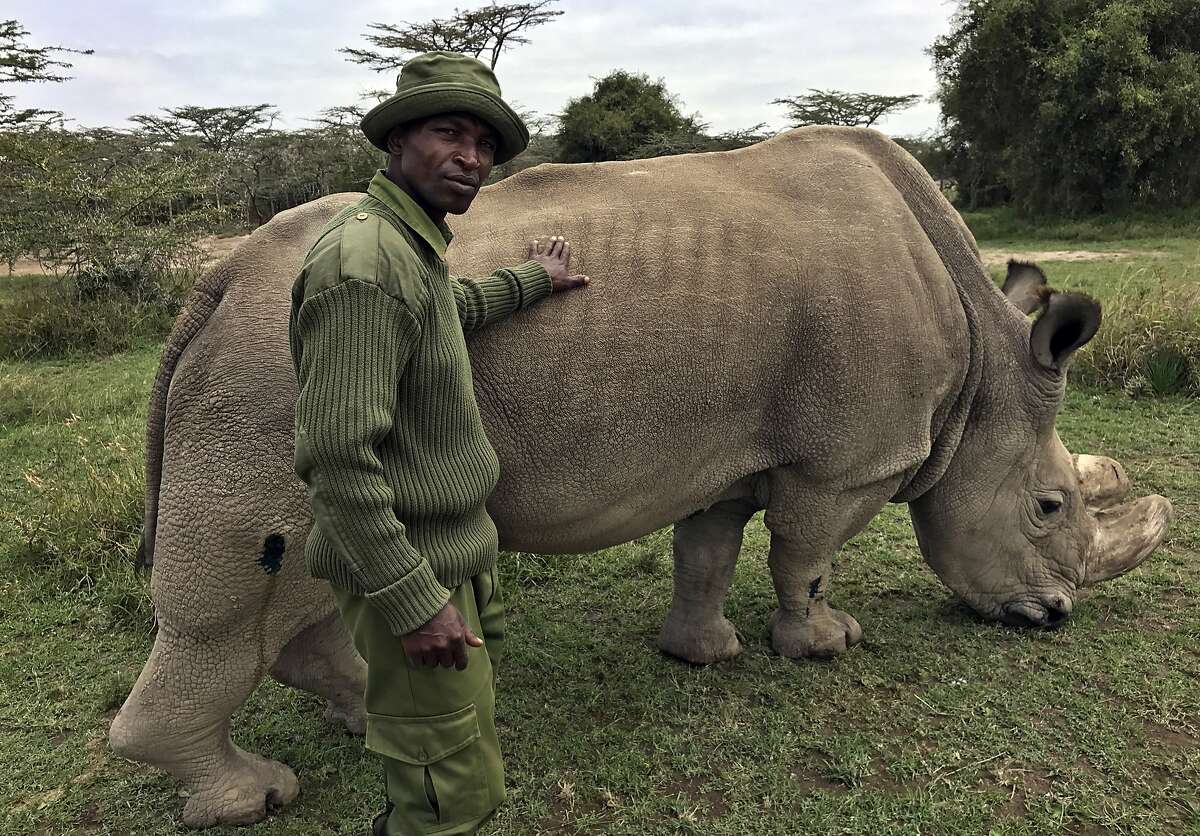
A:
(389, 439)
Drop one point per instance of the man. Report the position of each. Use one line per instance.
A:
(390, 443)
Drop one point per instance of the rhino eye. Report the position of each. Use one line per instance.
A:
(1049, 506)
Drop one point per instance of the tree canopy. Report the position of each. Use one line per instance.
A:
(1073, 106)
(490, 29)
(623, 112)
(216, 129)
(834, 107)
(20, 62)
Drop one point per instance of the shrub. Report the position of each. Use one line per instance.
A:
(58, 321)
(114, 217)
(1005, 224)
(624, 111)
(1074, 106)
(100, 203)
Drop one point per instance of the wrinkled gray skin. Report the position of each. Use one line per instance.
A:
(802, 326)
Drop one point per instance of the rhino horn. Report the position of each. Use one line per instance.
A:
(1102, 481)
(1127, 535)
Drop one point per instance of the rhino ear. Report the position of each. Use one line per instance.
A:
(1067, 322)
(1022, 283)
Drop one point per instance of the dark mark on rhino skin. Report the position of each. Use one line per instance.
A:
(272, 556)
(814, 588)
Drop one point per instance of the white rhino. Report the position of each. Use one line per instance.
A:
(802, 326)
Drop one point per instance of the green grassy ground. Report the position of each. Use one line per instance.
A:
(1155, 264)
(936, 724)
(11, 286)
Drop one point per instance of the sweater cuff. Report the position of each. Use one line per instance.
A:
(411, 601)
(533, 280)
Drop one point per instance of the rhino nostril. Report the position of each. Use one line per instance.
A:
(1058, 610)
(1021, 614)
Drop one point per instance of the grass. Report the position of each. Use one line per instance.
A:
(1150, 293)
(46, 317)
(12, 287)
(937, 724)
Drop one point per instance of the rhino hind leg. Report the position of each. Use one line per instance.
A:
(321, 659)
(807, 527)
(706, 547)
(177, 718)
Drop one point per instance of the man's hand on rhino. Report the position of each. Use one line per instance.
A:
(557, 261)
(442, 640)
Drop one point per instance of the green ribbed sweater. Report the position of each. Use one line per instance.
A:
(389, 439)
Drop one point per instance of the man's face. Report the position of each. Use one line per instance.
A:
(444, 160)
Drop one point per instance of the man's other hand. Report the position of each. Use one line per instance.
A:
(442, 640)
(557, 261)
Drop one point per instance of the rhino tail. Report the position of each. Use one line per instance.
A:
(203, 300)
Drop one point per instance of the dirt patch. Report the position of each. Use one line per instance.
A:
(1168, 737)
(998, 258)
(90, 817)
(810, 778)
(1023, 783)
(218, 248)
(705, 803)
(26, 267)
(567, 809)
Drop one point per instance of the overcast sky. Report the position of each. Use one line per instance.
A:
(725, 60)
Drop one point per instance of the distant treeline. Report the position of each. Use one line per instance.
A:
(1065, 108)
(1072, 107)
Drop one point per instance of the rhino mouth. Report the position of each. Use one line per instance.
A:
(1050, 613)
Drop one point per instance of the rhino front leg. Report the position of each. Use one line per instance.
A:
(807, 528)
(706, 547)
(177, 718)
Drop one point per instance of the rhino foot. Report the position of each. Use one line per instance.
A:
(699, 643)
(247, 785)
(351, 717)
(821, 633)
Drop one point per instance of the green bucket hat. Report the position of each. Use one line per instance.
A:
(446, 82)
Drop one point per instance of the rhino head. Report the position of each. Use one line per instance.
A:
(1016, 526)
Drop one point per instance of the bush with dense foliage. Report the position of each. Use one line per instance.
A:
(258, 170)
(1073, 106)
(115, 219)
(108, 210)
(625, 111)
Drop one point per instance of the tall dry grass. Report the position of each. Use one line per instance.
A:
(56, 318)
(1149, 343)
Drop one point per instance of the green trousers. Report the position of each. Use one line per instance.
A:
(434, 728)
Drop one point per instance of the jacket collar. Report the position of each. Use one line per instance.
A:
(409, 211)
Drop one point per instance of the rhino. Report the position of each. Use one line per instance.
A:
(802, 326)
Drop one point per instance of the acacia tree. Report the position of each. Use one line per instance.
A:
(221, 140)
(1072, 106)
(22, 63)
(215, 129)
(491, 29)
(834, 107)
(20, 132)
